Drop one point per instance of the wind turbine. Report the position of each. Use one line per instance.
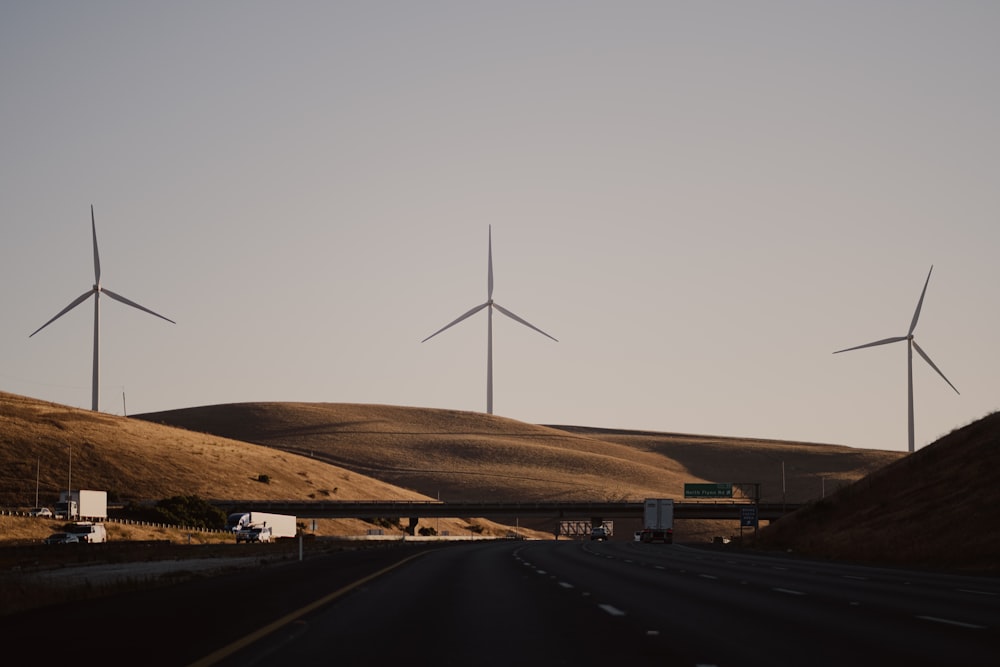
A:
(490, 304)
(96, 291)
(911, 345)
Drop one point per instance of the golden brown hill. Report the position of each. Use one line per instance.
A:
(474, 456)
(791, 471)
(48, 447)
(938, 507)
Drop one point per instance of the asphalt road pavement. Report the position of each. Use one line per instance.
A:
(572, 603)
(538, 603)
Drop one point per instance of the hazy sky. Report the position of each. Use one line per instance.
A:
(700, 200)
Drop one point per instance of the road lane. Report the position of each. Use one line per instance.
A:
(475, 605)
(550, 602)
(759, 610)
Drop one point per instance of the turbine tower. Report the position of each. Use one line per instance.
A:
(490, 304)
(911, 345)
(96, 291)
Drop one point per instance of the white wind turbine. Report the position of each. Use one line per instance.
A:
(96, 291)
(911, 345)
(491, 304)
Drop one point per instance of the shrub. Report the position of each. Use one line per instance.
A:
(182, 511)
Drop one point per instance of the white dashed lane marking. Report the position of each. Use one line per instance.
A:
(614, 611)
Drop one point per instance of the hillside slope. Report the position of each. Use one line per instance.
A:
(46, 447)
(474, 456)
(938, 507)
(792, 471)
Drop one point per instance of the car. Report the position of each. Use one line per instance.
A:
(599, 533)
(44, 512)
(62, 538)
(637, 536)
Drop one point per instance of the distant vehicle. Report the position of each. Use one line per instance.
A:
(638, 536)
(658, 521)
(281, 525)
(82, 504)
(62, 538)
(44, 512)
(253, 534)
(599, 533)
(89, 533)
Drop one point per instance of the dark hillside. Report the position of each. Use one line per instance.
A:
(938, 507)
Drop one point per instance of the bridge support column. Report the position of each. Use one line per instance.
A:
(411, 527)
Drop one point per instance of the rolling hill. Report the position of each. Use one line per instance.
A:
(934, 507)
(474, 456)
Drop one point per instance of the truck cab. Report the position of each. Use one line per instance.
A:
(65, 509)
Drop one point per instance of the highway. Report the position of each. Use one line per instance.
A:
(546, 602)
(572, 603)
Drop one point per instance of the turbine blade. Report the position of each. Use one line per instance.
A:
(920, 303)
(97, 259)
(884, 341)
(489, 292)
(522, 321)
(76, 302)
(928, 360)
(119, 297)
(457, 320)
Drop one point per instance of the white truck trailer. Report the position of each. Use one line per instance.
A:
(82, 504)
(278, 525)
(658, 521)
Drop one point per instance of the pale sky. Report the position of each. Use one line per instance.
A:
(700, 200)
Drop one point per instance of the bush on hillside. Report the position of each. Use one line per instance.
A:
(182, 511)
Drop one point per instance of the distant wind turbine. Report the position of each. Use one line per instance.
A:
(911, 345)
(491, 304)
(96, 291)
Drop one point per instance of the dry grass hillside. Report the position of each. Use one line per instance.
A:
(361, 452)
(136, 460)
(810, 470)
(45, 447)
(474, 456)
(939, 507)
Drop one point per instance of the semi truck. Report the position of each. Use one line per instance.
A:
(657, 521)
(277, 525)
(82, 504)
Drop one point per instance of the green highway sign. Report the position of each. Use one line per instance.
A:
(717, 490)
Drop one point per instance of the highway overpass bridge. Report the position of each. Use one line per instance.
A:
(596, 511)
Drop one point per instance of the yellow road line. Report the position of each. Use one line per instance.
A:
(257, 635)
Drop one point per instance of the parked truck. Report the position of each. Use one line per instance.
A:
(657, 521)
(249, 526)
(82, 504)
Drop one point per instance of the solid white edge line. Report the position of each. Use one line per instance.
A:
(948, 621)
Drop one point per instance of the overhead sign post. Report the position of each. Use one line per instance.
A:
(716, 490)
